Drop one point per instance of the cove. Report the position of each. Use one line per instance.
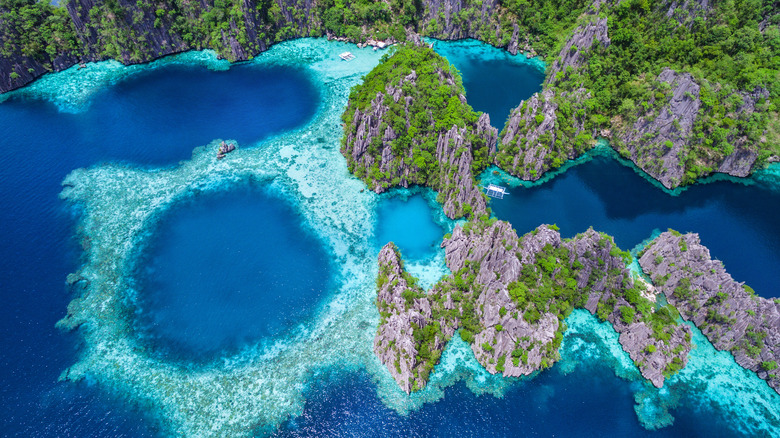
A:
(736, 222)
(495, 81)
(272, 384)
(226, 269)
(407, 220)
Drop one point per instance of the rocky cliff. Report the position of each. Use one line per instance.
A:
(486, 21)
(657, 139)
(405, 309)
(509, 297)
(409, 124)
(141, 31)
(548, 129)
(727, 312)
(665, 139)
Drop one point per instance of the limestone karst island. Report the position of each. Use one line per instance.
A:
(360, 218)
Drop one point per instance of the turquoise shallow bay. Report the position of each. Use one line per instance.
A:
(312, 374)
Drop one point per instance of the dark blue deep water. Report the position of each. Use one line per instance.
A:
(495, 81)
(589, 402)
(738, 224)
(226, 269)
(156, 118)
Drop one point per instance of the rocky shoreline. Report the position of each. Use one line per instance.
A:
(509, 296)
(727, 312)
(397, 139)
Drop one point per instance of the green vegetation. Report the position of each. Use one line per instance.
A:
(35, 29)
(769, 365)
(546, 286)
(723, 48)
(429, 105)
(544, 23)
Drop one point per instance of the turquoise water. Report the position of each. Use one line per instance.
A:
(737, 223)
(166, 253)
(408, 221)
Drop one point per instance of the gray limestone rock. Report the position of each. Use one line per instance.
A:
(404, 309)
(574, 52)
(728, 313)
(454, 152)
(507, 333)
(657, 141)
(532, 143)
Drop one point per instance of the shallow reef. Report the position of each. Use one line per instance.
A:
(254, 391)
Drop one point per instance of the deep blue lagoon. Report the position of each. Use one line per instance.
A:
(155, 118)
(209, 250)
(495, 81)
(227, 269)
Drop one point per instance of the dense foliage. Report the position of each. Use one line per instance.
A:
(431, 103)
(35, 29)
(547, 285)
(732, 50)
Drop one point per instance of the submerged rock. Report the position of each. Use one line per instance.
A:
(727, 312)
(509, 296)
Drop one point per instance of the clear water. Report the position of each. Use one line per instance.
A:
(408, 221)
(321, 380)
(227, 269)
(495, 81)
(41, 145)
(737, 223)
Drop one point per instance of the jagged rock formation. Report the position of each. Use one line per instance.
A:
(727, 312)
(574, 53)
(536, 140)
(138, 31)
(445, 19)
(509, 297)
(141, 31)
(404, 309)
(548, 129)
(418, 129)
(656, 140)
(662, 139)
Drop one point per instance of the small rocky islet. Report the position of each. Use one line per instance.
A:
(508, 295)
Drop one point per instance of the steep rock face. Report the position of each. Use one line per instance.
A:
(742, 161)
(535, 140)
(136, 32)
(404, 309)
(686, 11)
(661, 139)
(727, 312)
(574, 52)
(385, 148)
(657, 353)
(505, 331)
(509, 296)
(444, 19)
(545, 131)
(657, 140)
